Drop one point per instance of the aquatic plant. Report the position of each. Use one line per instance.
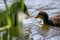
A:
(8, 19)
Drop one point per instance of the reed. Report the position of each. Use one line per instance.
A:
(8, 21)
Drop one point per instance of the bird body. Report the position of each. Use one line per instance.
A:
(56, 20)
(53, 21)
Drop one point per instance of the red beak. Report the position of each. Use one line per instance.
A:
(37, 16)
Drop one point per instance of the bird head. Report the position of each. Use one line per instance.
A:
(43, 15)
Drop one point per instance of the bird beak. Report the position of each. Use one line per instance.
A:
(27, 14)
(36, 16)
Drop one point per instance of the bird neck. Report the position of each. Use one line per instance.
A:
(46, 21)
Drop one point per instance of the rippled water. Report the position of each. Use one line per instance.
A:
(52, 7)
